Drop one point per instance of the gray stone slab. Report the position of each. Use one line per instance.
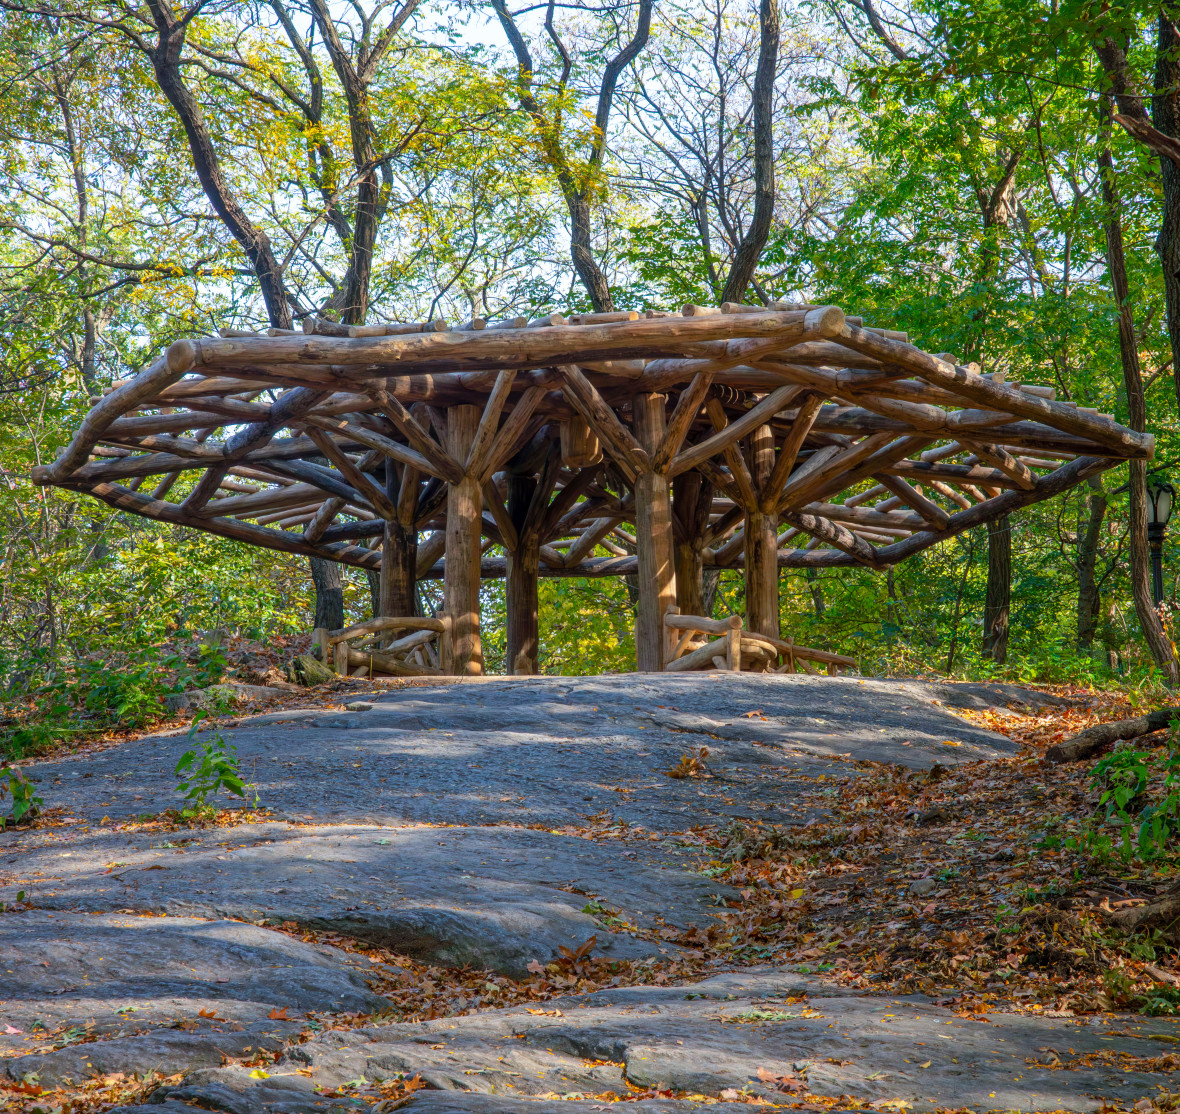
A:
(489, 897)
(553, 750)
(868, 1049)
(527, 754)
(128, 980)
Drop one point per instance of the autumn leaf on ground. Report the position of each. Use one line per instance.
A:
(534, 967)
(690, 765)
(206, 1013)
(788, 1084)
(757, 713)
(278, 1014)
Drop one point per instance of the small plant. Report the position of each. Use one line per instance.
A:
(207, 772)
(25, 801)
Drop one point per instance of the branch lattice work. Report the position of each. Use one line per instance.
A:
(602, 444)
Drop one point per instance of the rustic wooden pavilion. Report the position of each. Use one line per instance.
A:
(751, 437)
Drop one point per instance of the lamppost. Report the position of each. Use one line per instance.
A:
(1159, 510)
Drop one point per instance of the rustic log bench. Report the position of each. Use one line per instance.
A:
(733, 649)
(369, 649)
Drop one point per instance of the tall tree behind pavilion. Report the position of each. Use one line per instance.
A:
(574, 154)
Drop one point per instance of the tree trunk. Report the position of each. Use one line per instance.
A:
(329, 593)
(692, 498)
(711, 580)
(1158, 642)
(1088, 539)
(818, 604)
(165, 57)
(749, 250)
(997, 602)
(582, 254)
(522, 604)
(399, 562)
(1165, 116)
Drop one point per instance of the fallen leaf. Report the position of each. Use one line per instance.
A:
(206, 1013)
(10, 1029)
(278, 1014)
(258, 1073)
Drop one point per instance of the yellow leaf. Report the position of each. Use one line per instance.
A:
(796, 893)
(258, 1073)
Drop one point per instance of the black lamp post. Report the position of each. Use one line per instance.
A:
(1159, 510)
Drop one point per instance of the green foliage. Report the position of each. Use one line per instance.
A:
(1140, 805)
(25, 799)
(212, 769)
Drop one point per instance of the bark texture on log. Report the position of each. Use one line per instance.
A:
(461, 583)
(1094, 739)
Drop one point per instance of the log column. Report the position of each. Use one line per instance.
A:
(521, 587)
(761, 543)
(653, 529)
(461, 574)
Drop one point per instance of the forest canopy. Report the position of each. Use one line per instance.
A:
(995, 179)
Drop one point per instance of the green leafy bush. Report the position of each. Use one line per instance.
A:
(1139, 804)
(26, 802)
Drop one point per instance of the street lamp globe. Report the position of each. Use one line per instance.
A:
(1159, 502)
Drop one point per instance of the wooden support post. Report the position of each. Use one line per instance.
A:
(461, 579)
(761, 543)
(399, 563)
(319, 639)
(521, 587)
(733, 645)
(653, 529)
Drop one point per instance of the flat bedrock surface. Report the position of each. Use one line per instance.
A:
(708, 1038)
(490, 897)
(552, 750)
(129, 979)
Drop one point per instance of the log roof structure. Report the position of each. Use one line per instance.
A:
(599, 444)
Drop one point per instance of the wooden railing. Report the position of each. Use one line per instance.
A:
(368, 649)
(734, 649)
